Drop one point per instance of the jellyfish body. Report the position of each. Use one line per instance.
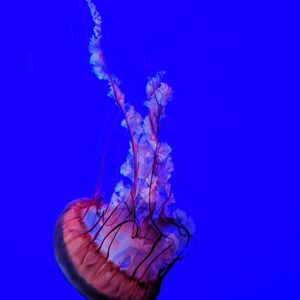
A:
(123, 249)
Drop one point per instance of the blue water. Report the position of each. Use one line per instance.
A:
(233, 125)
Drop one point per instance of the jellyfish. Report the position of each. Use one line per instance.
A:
(123, 248)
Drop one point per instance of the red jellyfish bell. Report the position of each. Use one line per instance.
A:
(123, 249)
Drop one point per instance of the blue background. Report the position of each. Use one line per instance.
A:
(233, 125)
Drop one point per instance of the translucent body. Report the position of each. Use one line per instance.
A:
(87, 267)
(123, 249)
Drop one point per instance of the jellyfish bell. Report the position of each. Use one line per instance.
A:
(122, 249)
(97, 266)
(105, 255)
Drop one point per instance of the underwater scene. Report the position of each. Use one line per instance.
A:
(150, 150)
